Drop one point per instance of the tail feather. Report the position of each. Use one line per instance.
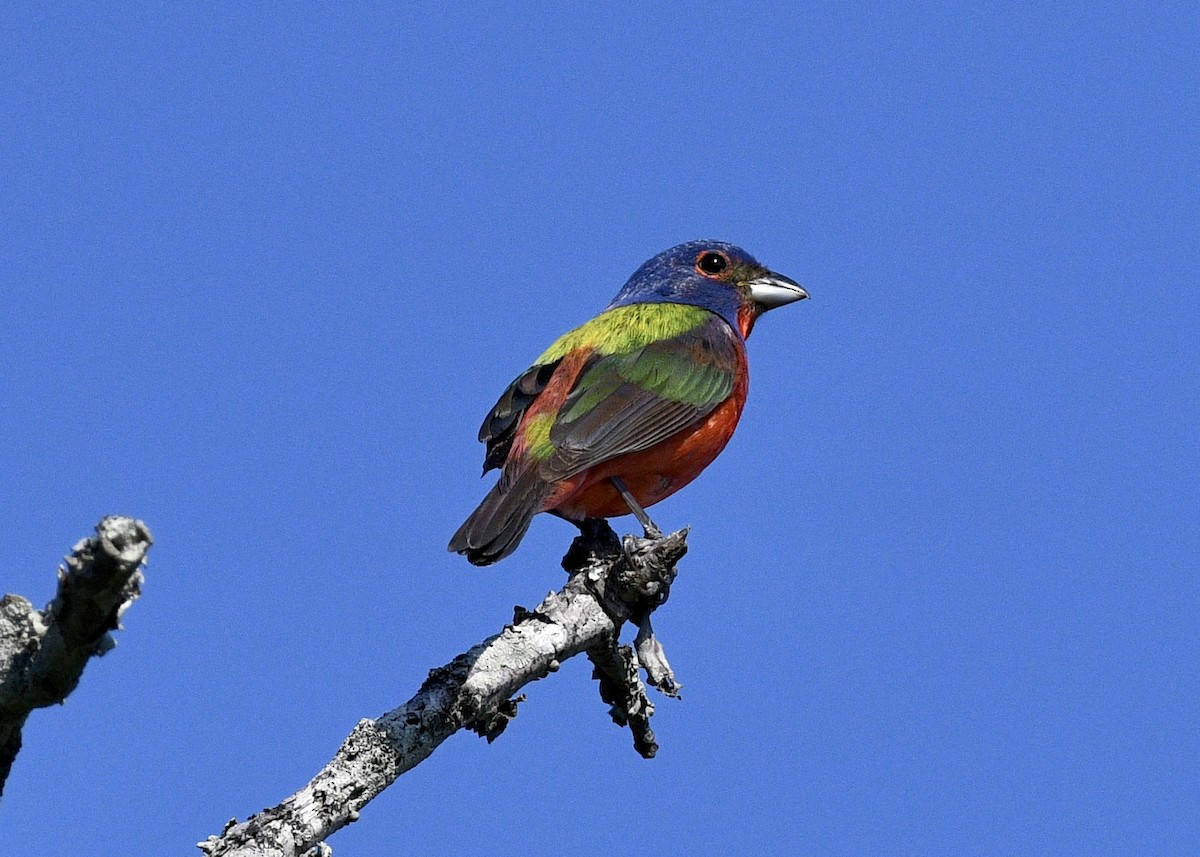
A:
(494, 530)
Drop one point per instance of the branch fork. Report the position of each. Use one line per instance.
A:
(630, 590)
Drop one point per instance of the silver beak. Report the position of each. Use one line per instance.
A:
(775, 290)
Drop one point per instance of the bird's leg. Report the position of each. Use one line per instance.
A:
(652, 530)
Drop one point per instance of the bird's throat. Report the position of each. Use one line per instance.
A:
(747, 314)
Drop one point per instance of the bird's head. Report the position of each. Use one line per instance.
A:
(715, 275)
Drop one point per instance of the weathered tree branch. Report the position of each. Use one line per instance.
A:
(610, 584)
(43, 653)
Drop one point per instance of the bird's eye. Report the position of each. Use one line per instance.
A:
(712, 263)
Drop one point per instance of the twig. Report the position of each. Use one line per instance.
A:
(616, 668)
(43, 653)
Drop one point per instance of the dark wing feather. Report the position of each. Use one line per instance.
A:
(628, 402)
(500, 425)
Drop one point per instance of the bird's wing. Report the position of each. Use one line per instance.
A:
(500, 425)
(629, 401)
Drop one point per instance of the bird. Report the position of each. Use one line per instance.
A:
(627, 408)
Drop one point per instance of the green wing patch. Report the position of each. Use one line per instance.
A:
(626, 402)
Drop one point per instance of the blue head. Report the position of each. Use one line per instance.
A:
(715, 275)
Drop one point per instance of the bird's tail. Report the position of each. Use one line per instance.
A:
(494, 530)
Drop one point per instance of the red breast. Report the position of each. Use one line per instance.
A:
(655, 473)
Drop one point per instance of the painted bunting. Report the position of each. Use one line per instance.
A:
(628, 408)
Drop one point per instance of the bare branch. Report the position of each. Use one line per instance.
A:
(608, 586)
(43, 653)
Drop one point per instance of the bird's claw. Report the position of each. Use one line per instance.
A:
(650, 566)
(636, 548)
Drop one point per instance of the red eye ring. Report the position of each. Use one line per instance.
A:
(712, 263)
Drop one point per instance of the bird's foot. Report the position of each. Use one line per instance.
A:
(650, 567)
(637, 548)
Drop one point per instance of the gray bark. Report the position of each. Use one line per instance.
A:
(610, 583)
(43, 652)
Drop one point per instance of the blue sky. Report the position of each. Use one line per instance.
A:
(266, 268)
